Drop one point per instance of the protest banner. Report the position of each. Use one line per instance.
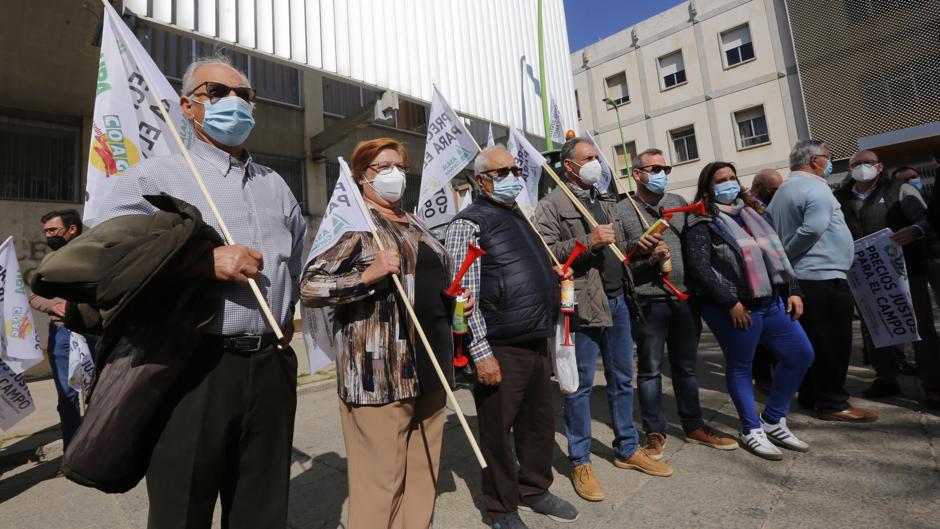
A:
(607, 173)
(530, 160)
(490, 141)
(81, 365)
(15, 400)
(878, 279)
(19, 342)
(557, 131)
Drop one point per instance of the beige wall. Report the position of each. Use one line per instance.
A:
(710, 97)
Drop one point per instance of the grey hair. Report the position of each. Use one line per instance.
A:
(803, 152)
(480, 163)
(638, 159)
(204, 61)
(567, 150)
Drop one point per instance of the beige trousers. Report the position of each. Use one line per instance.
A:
(393, 455)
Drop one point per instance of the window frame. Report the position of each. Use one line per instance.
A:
(662, 79)
(672, 144)
(628, 160)
(724, 53)
(72, 133)
(739, 139)
(622, 100)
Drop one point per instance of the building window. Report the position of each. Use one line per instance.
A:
(274, 81)
(752, 127)
(577, 105)
(672, 70)
(39, 161)
(411, 116)
(737, 45)
(342, 99)
(617, 89)
(684, 148)
(623, 165)
(291, 170)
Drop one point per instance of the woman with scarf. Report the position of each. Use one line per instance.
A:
(391, 402)
(749, 295)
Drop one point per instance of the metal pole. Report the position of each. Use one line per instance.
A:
(544, 85)
(623, 145)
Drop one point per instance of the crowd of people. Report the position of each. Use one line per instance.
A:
(765, 267)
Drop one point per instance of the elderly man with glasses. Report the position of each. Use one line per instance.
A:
(602, 288)
(518, 308)
(229, 432)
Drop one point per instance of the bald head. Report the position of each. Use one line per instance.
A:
(765, 184)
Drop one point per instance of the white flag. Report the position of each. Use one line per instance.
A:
(607, 174)
(81, 364)
(15, 400)
(127, 126)
(557, 134)
(530, 160)
(19, 343)
(490, 142)
(345, 212)
(449, 149)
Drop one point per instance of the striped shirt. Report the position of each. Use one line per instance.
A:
(259, 210)
(459, 233)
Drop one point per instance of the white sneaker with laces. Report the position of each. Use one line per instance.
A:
(780, 434)
(756, 442)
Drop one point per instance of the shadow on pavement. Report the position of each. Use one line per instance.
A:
(18, 483)
(317, 495)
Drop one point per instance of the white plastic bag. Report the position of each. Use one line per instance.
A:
(566, 365)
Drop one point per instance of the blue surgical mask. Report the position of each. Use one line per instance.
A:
(828, 170)
(727, 191)
(228, 120)
(657, 182)
(917, 183)
(507, 189)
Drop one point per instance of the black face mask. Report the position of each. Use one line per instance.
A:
(55, 242)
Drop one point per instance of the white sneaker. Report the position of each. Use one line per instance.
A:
(781, 435)
(756, 442)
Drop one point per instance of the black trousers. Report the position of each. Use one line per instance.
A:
(228, 435)
(517, 411)
(827, 319)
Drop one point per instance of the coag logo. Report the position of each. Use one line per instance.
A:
(19, 325)
(111, 152)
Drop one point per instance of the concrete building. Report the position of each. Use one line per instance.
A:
(319, 67)
(870, 75)
(706, 80)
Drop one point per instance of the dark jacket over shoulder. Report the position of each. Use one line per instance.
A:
(146, 276)
(714, 264)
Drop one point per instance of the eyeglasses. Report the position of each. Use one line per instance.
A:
(503, 172)
(215, 91)
(656, 168)
(869, 163)
(385, 168)
(52, 232)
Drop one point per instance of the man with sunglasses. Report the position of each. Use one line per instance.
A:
(60, 227)
(602, 288)
(230, 431)
(519, 305)
(872, 201)
(669, 322)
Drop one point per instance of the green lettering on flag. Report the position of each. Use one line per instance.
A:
(103, 85)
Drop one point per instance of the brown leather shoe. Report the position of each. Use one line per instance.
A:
(655, 443)
(644, 463)
(586, 484)
(710, 437)
(850, 414)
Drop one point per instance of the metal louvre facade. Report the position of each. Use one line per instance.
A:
(867, 66)
(482, 54)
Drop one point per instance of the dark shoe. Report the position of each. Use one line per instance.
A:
(932, 400)
(510, 522)
(655, 443)
(880, 389)
(907, 368)
(850, 414)
(554, 507)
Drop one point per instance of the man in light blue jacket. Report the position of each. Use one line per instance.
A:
(811, 226)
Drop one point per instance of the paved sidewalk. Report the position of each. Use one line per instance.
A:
(885, 474)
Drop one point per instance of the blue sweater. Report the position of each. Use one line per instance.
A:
(809, 221)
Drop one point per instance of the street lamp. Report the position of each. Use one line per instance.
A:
(623, 143)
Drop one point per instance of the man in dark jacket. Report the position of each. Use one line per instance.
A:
(518, 308)
(873, 201)
(668, 321)
(601, 290)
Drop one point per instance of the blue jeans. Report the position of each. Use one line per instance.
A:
(772, 327)
(616, 347)
(69, 415)
(678, 327)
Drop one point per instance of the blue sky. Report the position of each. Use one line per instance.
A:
(592, 20)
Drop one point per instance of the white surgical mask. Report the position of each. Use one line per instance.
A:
(590, 172)
(390, 186)
(864, 173)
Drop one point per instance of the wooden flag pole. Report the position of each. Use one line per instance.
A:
(226, 234)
